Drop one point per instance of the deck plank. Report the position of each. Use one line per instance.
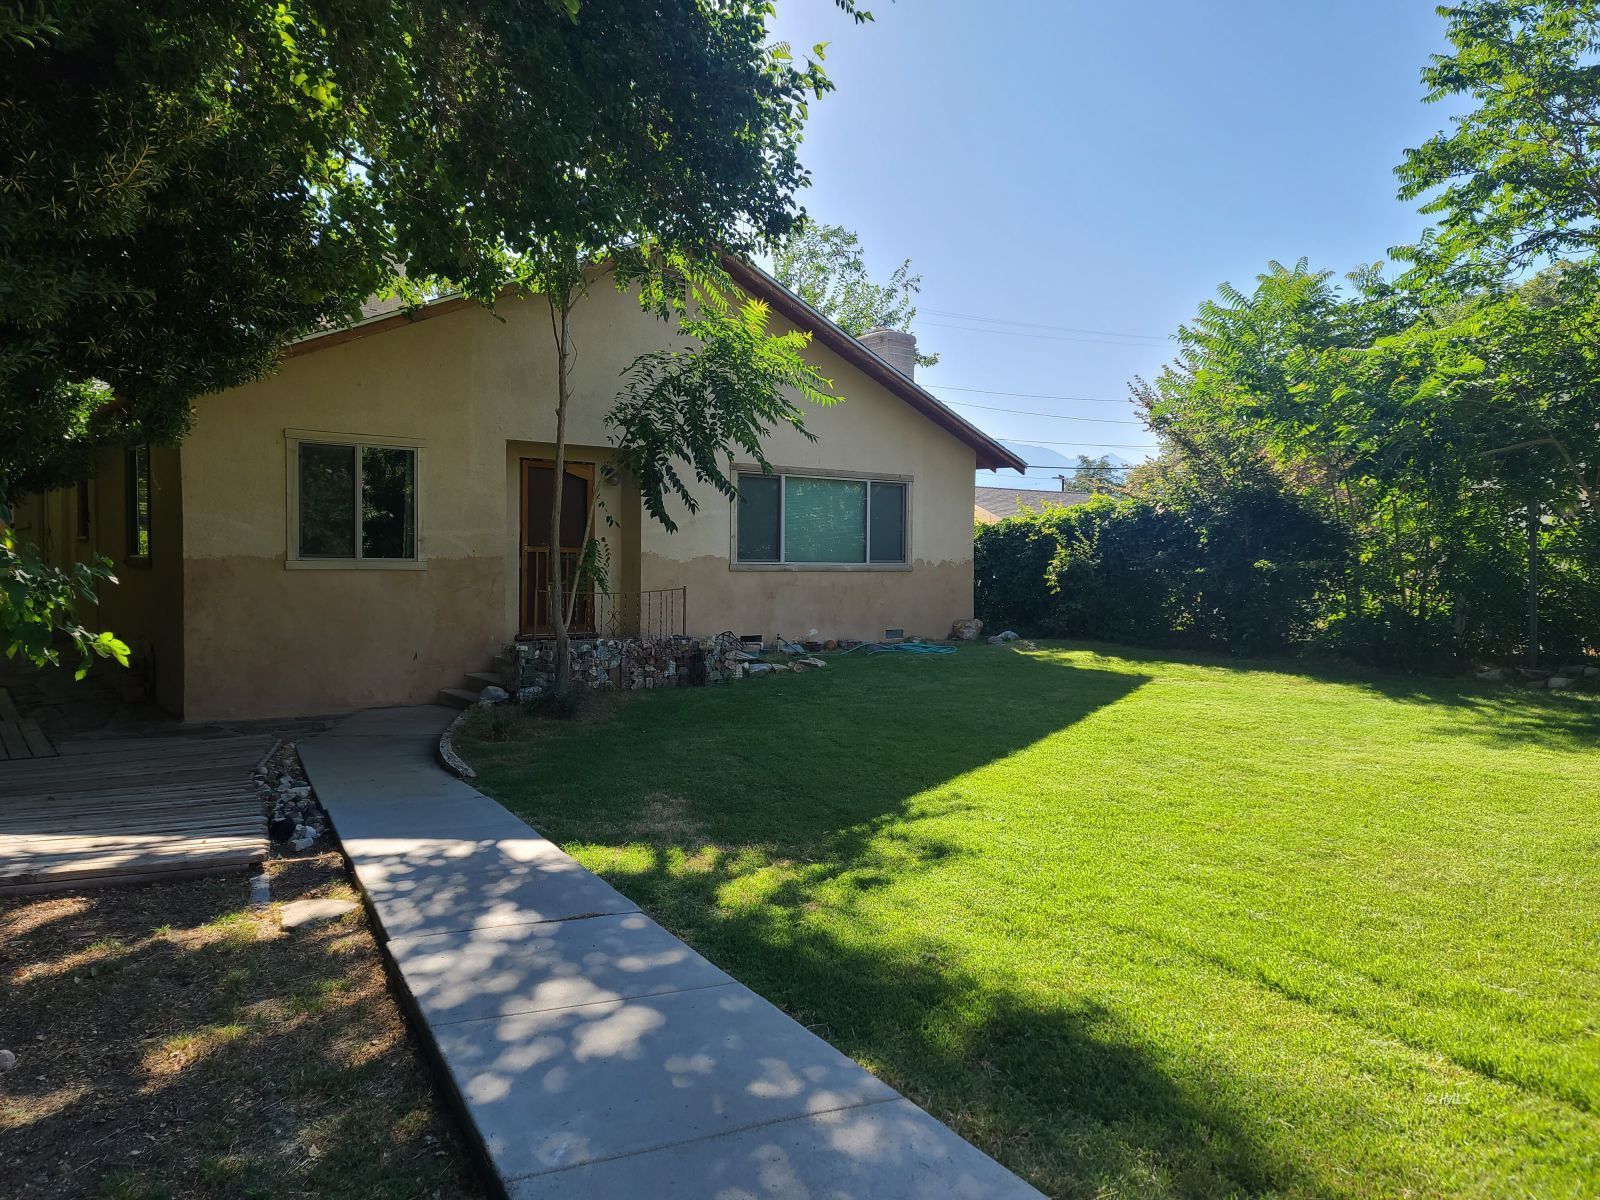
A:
(151, 808)
(11, 737)
(37, 742)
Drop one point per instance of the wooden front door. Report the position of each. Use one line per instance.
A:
(576, 498)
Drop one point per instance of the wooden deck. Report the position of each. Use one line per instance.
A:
(129, 810)
(19, 736)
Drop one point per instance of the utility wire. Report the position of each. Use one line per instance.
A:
(1149, 337)
(948, 387)
(1049, 337)
(1023, 412)
(1028, 441)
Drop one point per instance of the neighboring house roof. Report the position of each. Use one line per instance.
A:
(377, 317)
(996, 504)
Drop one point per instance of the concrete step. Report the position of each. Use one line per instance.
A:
(483, 679)
(457, 697)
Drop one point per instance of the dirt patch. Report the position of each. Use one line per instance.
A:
(171, 1040)
(664, 817)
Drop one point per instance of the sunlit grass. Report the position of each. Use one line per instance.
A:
(1138, 925)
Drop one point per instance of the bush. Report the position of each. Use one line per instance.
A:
(1244, 570)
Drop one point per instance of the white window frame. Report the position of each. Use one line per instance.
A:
(782, 474)
(292, 559)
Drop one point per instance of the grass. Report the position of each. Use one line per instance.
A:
(1137, 925)
(173, 1041)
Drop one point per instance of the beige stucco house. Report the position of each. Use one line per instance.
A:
(369, 522)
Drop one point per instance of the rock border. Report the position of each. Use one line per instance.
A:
(446, 749)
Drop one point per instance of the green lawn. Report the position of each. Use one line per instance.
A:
(1137, 924)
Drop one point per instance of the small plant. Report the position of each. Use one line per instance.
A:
(490, 723)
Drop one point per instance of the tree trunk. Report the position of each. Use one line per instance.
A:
(558, 612)
(1533, 583)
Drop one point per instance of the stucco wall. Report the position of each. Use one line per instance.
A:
(477, 393)
(872, 432)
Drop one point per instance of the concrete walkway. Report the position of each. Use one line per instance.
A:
(595, 1055)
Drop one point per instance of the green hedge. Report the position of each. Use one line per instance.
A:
(1244, 571)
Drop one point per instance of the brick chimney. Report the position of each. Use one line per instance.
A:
(895, 347)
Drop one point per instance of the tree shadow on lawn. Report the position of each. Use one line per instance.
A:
(171, 1042)
(736, 815)
(796, 761)
(1493, 713)
(1061, 1089)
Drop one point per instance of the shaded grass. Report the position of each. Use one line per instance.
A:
(173, 1041)
(1135, 924)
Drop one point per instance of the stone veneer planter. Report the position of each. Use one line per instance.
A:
(627, 664)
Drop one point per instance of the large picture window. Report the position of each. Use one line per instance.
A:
(353, 502)
(820, 520)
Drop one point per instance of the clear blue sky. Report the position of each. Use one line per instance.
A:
(1103, 167)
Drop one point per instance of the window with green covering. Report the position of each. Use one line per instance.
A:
(820, 520)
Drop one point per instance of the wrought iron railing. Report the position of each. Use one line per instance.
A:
(656, 614)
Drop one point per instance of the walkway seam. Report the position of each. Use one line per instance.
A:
(710, 1137)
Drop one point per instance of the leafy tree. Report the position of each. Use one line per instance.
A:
(692, 406)
(1433, 436)
(192, 185)
(1097, 475)
(1518, 176)
(38, 600)
(824, 265)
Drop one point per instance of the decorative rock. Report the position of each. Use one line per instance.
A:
(7, 1060)
(966, 629)
(297, 913)
(1557, 682)
(630, 663)
(493, 695)
(1008, 635)
(1591, 672)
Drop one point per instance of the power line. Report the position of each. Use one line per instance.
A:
(1062, 467)
(1028, 441)
(1023, 412)
(948, 387)
(1049, 337)
(1152, 337)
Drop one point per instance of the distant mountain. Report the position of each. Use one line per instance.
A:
(1043, 456)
